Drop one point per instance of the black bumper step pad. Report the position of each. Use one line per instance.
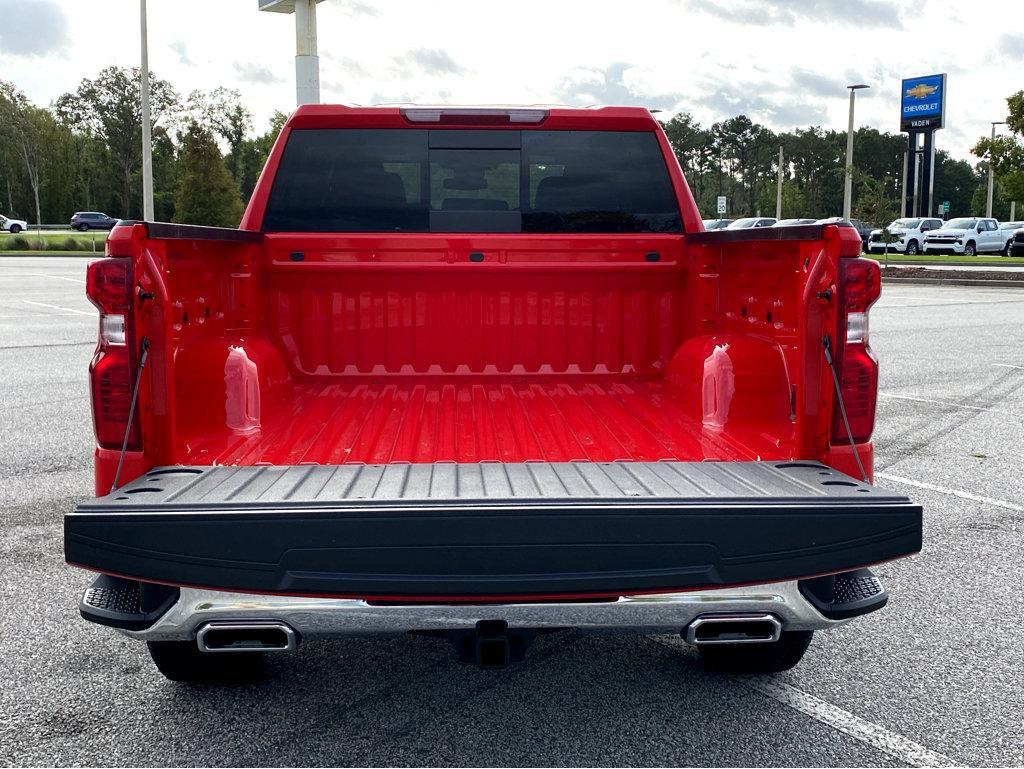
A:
(850, 594)
(126, 603)
(490, 529)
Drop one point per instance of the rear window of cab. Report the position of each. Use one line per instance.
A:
(437, 180)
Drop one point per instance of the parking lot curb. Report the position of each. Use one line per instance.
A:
(987, 263)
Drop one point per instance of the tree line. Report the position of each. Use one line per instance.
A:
(740, 159)
(84, 152)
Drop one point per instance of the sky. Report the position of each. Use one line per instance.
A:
(784, 63)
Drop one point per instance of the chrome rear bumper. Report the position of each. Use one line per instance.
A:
(314, 618)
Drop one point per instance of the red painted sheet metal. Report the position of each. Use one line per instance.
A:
(456, 324)
(401, 419)
(408, 305)
(557, 119)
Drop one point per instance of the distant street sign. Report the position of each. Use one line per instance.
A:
(945, 206)
(721, 204)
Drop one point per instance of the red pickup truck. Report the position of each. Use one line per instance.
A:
(480, 374)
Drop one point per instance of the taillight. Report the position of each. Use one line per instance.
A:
(109, 287)
(860, 284)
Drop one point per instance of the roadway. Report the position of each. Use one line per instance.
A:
(933, 678)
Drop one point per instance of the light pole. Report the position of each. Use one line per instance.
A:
(903, 186)
(147, 128)
(848, 189)
(307, 63)
(991, 175)
(778, 189)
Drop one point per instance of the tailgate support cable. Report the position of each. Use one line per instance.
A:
(143, 354)
(826, 343)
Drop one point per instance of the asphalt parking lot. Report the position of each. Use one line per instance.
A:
(934, 678)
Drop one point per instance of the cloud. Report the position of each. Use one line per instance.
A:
(812, 83)
(762, 102)
(786, 115)
(353, 68)
(431, 61)
(379, 98)
(180, 48)
(355, 8)
(611, 85)
(1012, 46)
(816, 84)
(256, 73)
(867, 13)
(33, 29)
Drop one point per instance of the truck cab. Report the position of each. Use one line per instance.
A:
(481, 374)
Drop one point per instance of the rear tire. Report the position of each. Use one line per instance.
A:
(1006, 248)
(758, 658)
(83, 227)
(15, 229)
(182, 661)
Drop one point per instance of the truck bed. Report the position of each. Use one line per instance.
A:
(505, 419)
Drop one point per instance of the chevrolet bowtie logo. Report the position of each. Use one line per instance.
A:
(922, 91)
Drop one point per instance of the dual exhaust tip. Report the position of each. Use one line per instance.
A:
(710, 629)
(492, 649)
(246, 637)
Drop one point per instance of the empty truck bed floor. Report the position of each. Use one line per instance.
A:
(505, 419)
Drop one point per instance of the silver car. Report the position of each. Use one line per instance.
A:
(751, 222)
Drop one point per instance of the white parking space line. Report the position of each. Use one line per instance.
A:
(62, 309)
(1008, 365)
(895, 745)
(951, 492)
(54, 277)
(949, 403)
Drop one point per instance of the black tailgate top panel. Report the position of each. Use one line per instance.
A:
(489, 529)
(446, 483)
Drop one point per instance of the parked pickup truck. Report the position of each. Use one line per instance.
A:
(908, 236)
(480, 374)
(966, 235)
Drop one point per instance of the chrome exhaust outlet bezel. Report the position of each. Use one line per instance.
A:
(690, 635)
(291, 638)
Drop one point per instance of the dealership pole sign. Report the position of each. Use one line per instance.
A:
(923, 103)
(922, 113)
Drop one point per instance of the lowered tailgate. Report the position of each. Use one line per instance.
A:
(489, 529)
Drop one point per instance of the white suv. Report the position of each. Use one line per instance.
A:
(13, 226)
(966, 235)
(909, 233)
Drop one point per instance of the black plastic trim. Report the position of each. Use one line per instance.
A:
(796, 232)
(821, 593)
(149, 603)
(170, 231)
(483, 546)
